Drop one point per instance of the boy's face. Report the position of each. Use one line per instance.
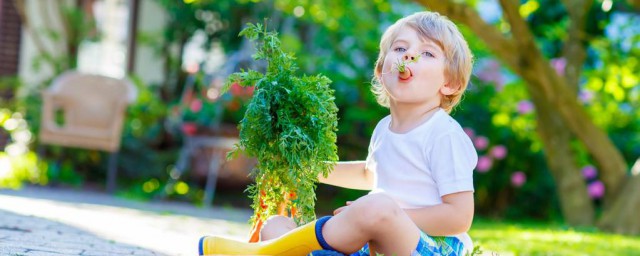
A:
(427, 81)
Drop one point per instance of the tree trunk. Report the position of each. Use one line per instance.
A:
(622, 216)
(575, 204)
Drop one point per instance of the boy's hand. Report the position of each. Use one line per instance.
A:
(336, 211)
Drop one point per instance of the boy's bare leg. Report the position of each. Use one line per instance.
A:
(276, 226)
(376, 219)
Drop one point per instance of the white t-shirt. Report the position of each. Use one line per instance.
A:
(418, 167)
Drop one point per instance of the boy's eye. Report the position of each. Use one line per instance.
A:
(428, 54)
(399, 49)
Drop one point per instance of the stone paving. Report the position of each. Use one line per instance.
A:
(27, 235)
(45, 221)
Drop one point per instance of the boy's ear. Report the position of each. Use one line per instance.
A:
(448, 89)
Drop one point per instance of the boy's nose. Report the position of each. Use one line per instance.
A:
(409, 58)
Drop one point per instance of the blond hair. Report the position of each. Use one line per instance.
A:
(443, 32)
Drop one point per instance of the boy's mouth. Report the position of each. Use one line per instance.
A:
(406, 75)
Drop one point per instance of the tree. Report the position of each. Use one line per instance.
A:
(560, 116)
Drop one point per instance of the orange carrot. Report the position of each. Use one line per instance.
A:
(405, 74)
(254, 235)
(282, 208)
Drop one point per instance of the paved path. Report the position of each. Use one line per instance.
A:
(44, 221)
(25, 235)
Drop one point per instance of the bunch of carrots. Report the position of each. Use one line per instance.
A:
(254, 235)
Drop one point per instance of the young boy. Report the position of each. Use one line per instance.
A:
(420, 162)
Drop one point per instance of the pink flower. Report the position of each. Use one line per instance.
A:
(585, 96)
(499, 152)
(470, 132)
(249, 90)
(484, 164)
(192, 68)
(189, 128)
(525, 107)
(596, 189)
(559, 65)
(490, 72)
(196, 105)
(518, 179)
(589, 172)
(236, 89)
(481, 142)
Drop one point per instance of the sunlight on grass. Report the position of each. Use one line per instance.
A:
(548, 239)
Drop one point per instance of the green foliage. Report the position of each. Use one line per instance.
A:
(141, 157)
(8, 85)
(289, 126)
(17, 163)
(611, 92)
(220, 21)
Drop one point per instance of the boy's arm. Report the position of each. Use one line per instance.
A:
(452, 217)
(351, 174)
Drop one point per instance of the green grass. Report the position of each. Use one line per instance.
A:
(535, 238)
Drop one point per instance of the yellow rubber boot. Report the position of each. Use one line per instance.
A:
(300, 241)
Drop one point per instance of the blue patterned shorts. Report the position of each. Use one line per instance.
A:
(429, 245)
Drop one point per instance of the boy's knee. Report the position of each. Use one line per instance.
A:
(378, 202)
(276, 226)
(376, 209)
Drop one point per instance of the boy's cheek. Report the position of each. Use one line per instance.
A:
(393, 55)
(388, 62)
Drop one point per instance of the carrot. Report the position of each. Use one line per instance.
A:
(291, 196)
(406, 74)
(254, 235)
(282, 208)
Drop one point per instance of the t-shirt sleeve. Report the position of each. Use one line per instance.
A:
(452, 160)
(372, 143)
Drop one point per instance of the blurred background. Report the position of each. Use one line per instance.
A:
(552, 107)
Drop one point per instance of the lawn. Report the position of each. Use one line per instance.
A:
(533, 238)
